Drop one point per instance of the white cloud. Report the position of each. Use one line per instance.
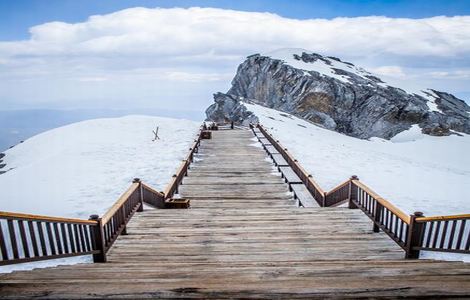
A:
(392, 71)
(142, 48)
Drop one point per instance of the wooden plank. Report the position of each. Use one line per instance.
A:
(271, 150)
(289, 175)
(303, 195)
(279, 160)
(243, 225)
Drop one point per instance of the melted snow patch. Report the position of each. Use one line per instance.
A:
(412, 134)
(431, 97)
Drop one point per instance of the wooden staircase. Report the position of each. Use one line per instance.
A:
(245, 237)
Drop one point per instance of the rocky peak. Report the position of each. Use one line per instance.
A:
(338, 96)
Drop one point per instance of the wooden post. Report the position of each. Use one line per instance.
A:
(415, 235)
(123, 216)
(141, 194)
(377, 213)
(352, 192)
(98, 240)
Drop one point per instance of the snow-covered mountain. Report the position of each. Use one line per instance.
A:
(338, 96)
(81, 169)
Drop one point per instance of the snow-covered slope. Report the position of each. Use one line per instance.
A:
(414, 171)
(82, 169)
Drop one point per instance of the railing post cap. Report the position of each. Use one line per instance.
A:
(136, 180)
(418, 214)
(354, 177)
(94, 217)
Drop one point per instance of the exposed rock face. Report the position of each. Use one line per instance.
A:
(348, 100)
(228, 108)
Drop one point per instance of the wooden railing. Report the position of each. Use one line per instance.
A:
(411, 232)
(443, 233)
(307, 179)
(182, 171)
(28, 238)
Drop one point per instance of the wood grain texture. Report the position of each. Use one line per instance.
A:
(244, 237)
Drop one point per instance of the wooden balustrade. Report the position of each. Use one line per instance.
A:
(444, 233)
(27, 238)
(383, 214)
(307, 179)
(339, 194)
(114, 221)
(411, 232)
(172, 187)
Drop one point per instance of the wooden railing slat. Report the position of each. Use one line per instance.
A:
(3, 248)
(50, 238)
(42, 239)
(461, 232)
(452, 233)
(436, 234)
(64, 238)
(12, 233)
(32, 236)
(77, 238)
(57, 238)
(24, 240)
(71, 238)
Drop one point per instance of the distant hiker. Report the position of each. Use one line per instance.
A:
(231, 125)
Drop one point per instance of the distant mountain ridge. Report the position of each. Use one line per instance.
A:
(338, 96)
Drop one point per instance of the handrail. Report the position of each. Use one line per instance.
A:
(411, 232)
(29, 238)
(19, 216)
(398, 212)
(182, 170)
(317, 192)
(118, 204)
(443, 218)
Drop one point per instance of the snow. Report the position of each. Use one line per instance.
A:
(320, 66)
(414, 171)
(431, 97)
(82, 169)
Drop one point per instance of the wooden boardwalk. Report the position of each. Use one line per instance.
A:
(245, 237)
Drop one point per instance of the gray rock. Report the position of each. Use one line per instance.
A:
(2, 155)
(2, 166)
(228, 109)
(361, 108)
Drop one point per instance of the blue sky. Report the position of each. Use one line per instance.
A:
(16, 16)
(131, 54)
